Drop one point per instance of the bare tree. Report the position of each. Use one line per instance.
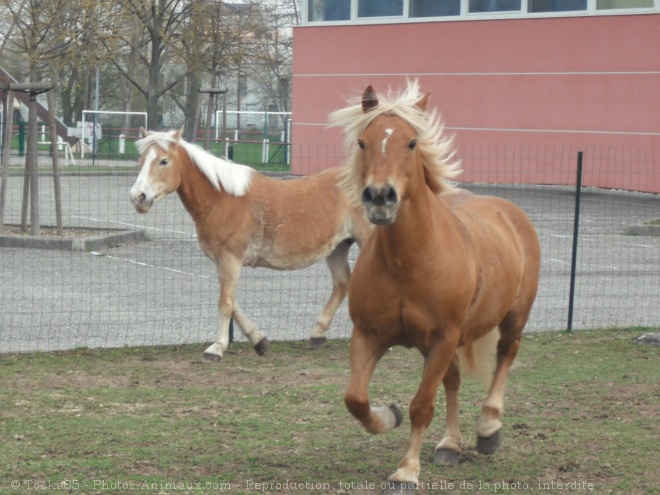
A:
(160, 22)
(272, 53)
(213, 44)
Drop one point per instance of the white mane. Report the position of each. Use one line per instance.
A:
(231, 177)
(437, 150)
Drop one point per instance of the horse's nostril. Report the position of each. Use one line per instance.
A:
(379, 196)
(142, 197)
(367, 195)
(390, 195)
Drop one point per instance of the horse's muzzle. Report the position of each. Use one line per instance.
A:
(141, 203)
(381, 203)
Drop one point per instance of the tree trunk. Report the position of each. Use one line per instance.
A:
(192, 104)
(153, 89)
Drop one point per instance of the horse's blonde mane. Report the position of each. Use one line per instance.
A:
(437, 150)
(231, 177)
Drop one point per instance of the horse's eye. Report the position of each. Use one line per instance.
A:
(412, 144)
(163, 162)
(361, 144)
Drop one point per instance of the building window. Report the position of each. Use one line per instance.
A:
(386, 11)
(380, 8)
(493, 5)
(624, 4)
(556, 5)
(329, 10)
(434, 8)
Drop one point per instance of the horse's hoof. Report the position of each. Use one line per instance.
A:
(488, 445)
(262, 346)
(398, 487)
(316, 342)
(446, 457)
(398, 415)
(212, 358)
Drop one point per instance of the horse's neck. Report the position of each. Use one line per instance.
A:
(196, 192)
(419, 216)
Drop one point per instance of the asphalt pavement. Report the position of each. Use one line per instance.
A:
(165, 291)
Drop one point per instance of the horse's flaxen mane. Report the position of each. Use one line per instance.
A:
(437, 150)
(231, 177)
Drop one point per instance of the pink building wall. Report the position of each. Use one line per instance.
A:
(514, 90)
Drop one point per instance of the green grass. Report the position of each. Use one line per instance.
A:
(580, 408)
(244, 153)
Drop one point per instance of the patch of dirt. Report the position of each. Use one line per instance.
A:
(67, 232)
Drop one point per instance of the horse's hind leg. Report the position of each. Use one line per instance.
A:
(489, 424)
(228, 272)
(341, 274)
(449, 448)
(249, 329)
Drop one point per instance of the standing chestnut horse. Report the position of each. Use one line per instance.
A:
(442, 269)
(245, 218)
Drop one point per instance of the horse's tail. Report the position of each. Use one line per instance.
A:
(477, 358)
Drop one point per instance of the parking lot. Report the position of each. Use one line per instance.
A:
(165, 291)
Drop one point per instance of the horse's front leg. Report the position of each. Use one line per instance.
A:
(436, 363)
(228, 272)
(341, 275)
(449, 449)
(364, 357)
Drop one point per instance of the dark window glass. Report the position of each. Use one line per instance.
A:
(434, 8)
(556, 5)
(493, 5)
(623, 4)
(329, 10)
(380, 8)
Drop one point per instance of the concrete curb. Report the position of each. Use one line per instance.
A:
(643, 229)
(103, 240)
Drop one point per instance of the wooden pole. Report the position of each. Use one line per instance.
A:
(31, 178)
(33, 165)
(6, 155)
(26, 189)
(56, 166)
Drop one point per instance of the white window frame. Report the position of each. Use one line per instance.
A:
(591, 10)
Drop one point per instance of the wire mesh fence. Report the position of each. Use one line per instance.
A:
(165, 291)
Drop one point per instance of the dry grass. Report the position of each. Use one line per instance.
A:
(581, 412)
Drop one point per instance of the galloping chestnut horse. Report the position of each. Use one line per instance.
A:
(245, 218)
(442, 269)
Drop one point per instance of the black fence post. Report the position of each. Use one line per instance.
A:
(576, 224)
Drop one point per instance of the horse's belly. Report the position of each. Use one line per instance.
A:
(284, 260)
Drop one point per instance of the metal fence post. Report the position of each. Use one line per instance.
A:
(576, 223)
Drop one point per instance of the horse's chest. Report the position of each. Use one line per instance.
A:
(393, 304)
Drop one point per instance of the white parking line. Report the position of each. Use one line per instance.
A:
(142, 263)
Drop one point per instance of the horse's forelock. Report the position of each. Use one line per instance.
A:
(161, 139)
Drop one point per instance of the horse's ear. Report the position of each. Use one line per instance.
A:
(143, 132)
(178, 134)
(369, 99)
(423, 103)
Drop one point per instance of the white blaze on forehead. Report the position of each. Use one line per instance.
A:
(388, 133)
(142, 182)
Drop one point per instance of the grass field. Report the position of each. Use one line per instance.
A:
(247, 153)
(582, 415)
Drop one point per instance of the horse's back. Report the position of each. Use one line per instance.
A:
(497, 213)
(297, 221)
